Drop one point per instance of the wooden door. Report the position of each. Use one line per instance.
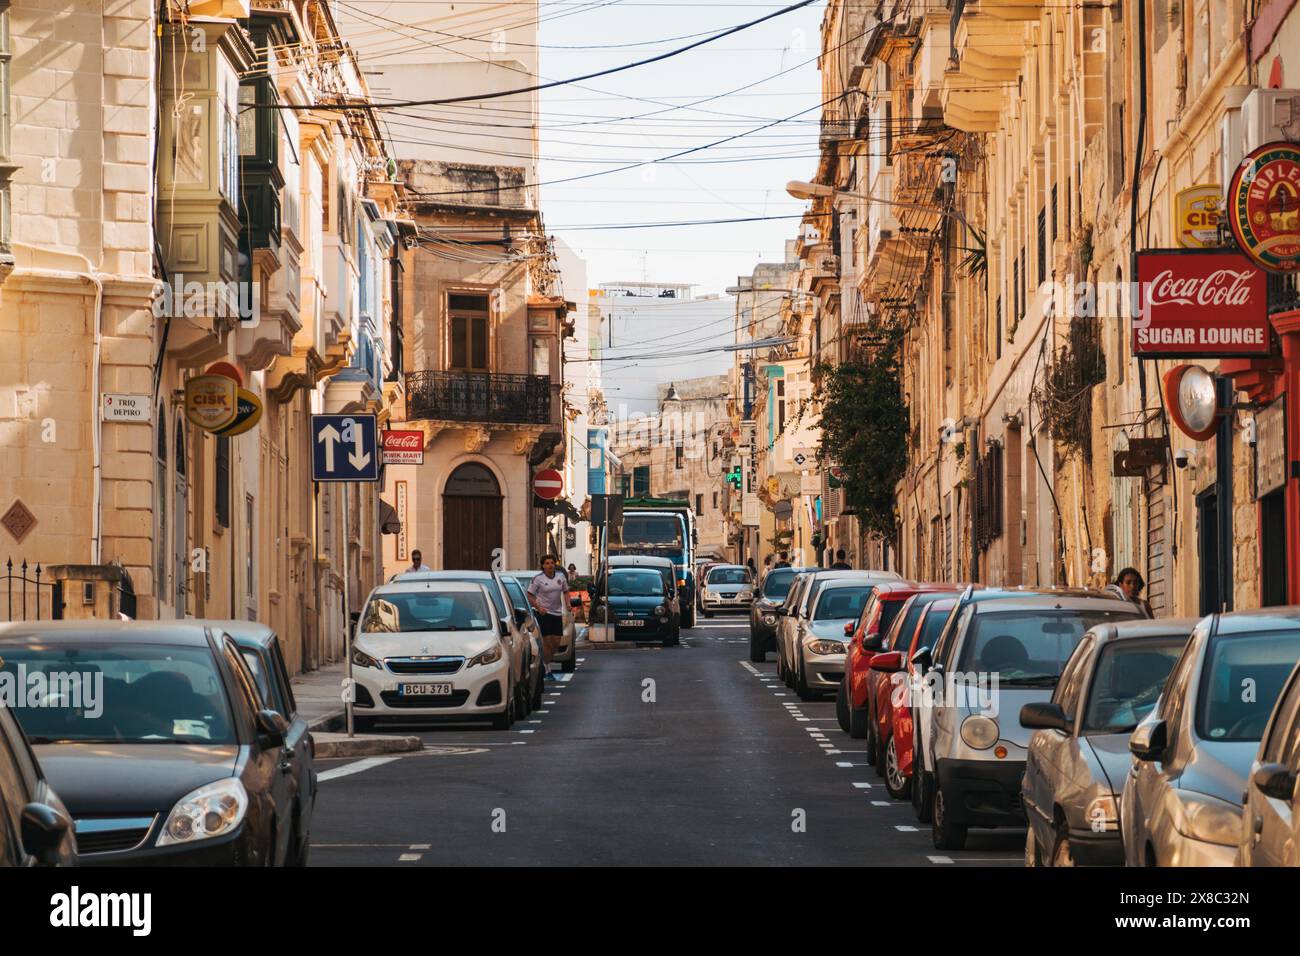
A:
(471, 531)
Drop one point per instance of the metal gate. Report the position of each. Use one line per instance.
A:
(27, 597)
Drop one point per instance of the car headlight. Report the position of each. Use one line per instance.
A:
(212, 810)
(824, 648)
(769, 619)
(489, 656)
(361, 659)
(979, 732)
(1102, 814)
(1205, 818)
(660, 611)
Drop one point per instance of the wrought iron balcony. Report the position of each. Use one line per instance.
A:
(487, 397)
(1283, 293)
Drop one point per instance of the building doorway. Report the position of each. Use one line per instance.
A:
(471, 519)
(1207, 522)
(1272, 548)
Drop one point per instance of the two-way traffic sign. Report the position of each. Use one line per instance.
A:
(344, 448)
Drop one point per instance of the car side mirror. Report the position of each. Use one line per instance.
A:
(353, 619)
(848, 629)
(43, 829)
(521, 616)
(272, 728)
(1149, 741)
(1276, 781)
(922, 659)
(889, 663)
(505, 628)
(1045, 715)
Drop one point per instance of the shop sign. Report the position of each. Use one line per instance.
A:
(1197, 214)
(1270, 448)
(1264, 206)
(211, 401)
(403, 447)
(1200, 304)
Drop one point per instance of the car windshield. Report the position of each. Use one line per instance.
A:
(729, 576)
(652, 530)
(1028, 647)
(1243, 675)
(1130, 676)
(888, 611)
(635, 582)
(777, 583)
(426, 611)
(488, 582)
(936, 617)
(842, 603)
(130, 693)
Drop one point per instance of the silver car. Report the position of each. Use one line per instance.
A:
(820, 639)
(1182, 801)
(1078, 750)
(1270, 832)
(797, 607)
(726, 587)
(1004, 654)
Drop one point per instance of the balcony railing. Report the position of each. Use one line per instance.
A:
(487, 397)
(835, 128)
(1283, 293)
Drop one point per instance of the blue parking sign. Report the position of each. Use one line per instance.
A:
(344, 448)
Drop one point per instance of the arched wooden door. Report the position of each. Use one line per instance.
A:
(471, 519)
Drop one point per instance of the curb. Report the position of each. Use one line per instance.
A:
(363, 745)
(334, 720)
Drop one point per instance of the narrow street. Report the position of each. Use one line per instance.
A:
(714, 771)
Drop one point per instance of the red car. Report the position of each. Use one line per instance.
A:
(895, 762)
(852, 701)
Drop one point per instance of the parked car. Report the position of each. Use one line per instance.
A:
(1078, 746)
(1182, 802)
(853, 703)
(566, 655)
(638, 606)
(520, 643)
(795, 611)
(35, 826)
(886, 674)
(898, 756)
(158, 741)
(260, 648)
(726, 587)
(1003, 654)
(820, 640)
(434, 648)
(526, 616)
(1270, 832)
(763, 613)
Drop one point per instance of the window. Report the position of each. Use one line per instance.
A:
(541, 364)
(249, 556)
(780, 406)
(680, 454)
(1042, 245)
(625, 485)
(699, 504)
(997, 329)
(228, 133)
(222, 490)
(641, 480)
(468, 322)
(5, 168)
(715, 501)
(161, 492)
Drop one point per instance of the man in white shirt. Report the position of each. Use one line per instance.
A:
(417, 562)
(548, 593)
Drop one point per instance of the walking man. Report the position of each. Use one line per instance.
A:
(785, 560)
(840, 564)
(417, 562)
(548, 593)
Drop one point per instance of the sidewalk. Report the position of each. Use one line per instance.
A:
(320, 696)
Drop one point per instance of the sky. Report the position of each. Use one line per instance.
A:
(602, 123)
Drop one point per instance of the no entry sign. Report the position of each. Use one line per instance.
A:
(548, 483)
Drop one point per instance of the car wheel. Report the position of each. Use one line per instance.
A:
(536, 703)
(921, 788)
(859, 722)
(523, 701)
(570, 665)
(947, 835)
(757, 653)
(801, 687)
(873, 757)
(1061, 855)
(842, 708)
(898, 785)
(789, 676)
(506, 718)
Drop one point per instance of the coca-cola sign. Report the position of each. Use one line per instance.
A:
(403, 447)
(1200, 304)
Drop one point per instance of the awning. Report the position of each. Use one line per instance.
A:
(388, 523)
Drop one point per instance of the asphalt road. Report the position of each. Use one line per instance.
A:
(683, 756)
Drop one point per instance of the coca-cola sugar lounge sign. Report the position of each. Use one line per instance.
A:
(1198, 303)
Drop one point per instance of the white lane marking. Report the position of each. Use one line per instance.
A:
(534, 721)
(831, 753)
(581, 659)
(881, 803)
(409, 857)
(528, 731)
(862, 786)
(843, 763)
(563, 677)
(749, 667)
(778, 695)
(826, 746)
(903, 828)
(421, 846)
(541, 712)
(803, 720)
(347, 769)
(519, 742)
(939, 859)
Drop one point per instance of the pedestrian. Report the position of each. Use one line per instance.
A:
(1128, 585)
(749, 563)
(548, 593)
(572, 570)
(841, 564)
(785, 560)
(417, 562)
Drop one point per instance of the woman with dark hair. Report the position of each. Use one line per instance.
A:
(1128, 585)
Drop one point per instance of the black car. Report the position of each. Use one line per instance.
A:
(262, 653)
(155, 736)
(35, 828)
(771, 594)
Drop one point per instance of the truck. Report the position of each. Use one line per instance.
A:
(664, 527)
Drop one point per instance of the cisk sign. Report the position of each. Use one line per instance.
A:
(1200, 304)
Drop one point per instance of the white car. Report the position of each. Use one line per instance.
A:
(435, 648)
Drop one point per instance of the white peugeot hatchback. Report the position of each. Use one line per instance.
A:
(434, 649)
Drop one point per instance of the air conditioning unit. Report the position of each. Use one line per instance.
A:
(1264, 116)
